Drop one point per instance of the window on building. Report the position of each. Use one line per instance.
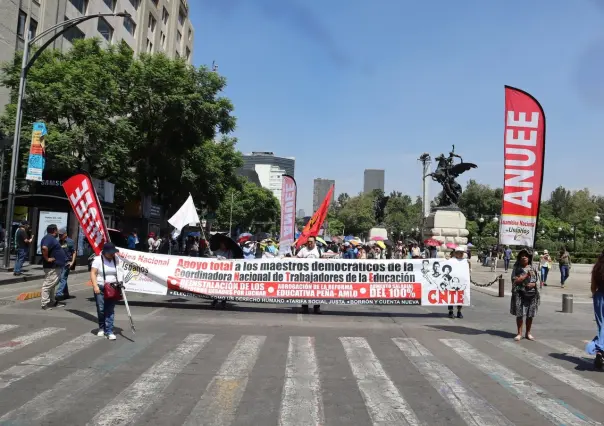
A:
(21, 24)
(73, 34)
(33, 26)
(155, 2)
(181, 16)
(178, 37)
(190, 34)
(135, 4)
(149, 46)
(187, 53)
(165, 15)
(105, 29)
(81, 5)
(152, 22)
(162, 40)
(110, 4)
(129, 25)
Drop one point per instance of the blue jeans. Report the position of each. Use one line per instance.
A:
(62, 289)
(21, 256)
(105, 310)
(544, 272)
(597, 344)
(506, 263)
(564, 273)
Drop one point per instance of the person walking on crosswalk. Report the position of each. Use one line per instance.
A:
(458, 254)
(53, 262)
(596, 346)
(525, 294)
(104, 269)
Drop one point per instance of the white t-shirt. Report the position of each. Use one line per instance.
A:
(311, 254)
(110, 270)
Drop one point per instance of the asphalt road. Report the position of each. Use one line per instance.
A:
(190, 364)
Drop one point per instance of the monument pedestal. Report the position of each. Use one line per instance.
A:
(446, 226)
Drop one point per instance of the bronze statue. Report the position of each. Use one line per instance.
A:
(445, 174)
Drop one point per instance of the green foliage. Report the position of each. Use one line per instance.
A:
(357, 214)
(147, 124)
(251, 204)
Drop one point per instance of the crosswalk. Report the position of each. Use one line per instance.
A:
(211, 379)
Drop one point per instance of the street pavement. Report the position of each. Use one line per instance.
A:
(252, 364)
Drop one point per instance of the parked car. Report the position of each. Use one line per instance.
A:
(116, 238)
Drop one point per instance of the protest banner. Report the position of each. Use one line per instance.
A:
(432, 282)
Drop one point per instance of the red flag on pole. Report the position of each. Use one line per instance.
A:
(316, 221)
(524, 154)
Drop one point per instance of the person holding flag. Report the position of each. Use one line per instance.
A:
(307, 238)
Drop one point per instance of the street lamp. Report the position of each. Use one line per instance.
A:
(496, 219)
(481, 219)
(25, 66)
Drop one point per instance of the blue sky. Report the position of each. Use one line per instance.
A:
(344, 85)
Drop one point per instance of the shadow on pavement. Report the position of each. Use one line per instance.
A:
(474, 331)
(582, 364)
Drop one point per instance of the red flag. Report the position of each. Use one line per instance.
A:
(85, 203)
(524, 154)
(314, 224)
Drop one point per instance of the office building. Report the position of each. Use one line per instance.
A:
(320, 190)
(154, 26)
(301, 213)
(373, 179)
(269, 168)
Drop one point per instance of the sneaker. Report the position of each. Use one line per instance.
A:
(599, 361)
(459, 315)
(101, 333)
(111, 336)
(47, 308)
(451, 315)
(59, 304)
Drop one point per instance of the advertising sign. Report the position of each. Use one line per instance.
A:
(49, 218)
(35, 165)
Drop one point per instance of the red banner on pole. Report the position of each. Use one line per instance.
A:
(288, 214)
(85, 203)
(314, 224)
(524, 154)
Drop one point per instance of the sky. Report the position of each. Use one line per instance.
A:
(345, 85)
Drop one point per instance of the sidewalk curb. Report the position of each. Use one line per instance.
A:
(23, 278)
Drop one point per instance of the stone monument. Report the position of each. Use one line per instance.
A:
(446, 223)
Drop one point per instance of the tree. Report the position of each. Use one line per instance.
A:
(559, 200)
(252, 205)
(480, 200)
(147, 124)
(357, 214)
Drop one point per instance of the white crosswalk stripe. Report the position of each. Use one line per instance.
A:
(589, 387)
(7, 327)
(28, 339)
(472, 408)
(384, 402)
(44, 360)
(67, 390)
(546, 404)
(147, 389)
(298, 386)
(301, 403)
(219, 402)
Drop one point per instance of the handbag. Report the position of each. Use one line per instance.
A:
(111, 291)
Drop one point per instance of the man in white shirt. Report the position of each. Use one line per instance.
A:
(310, 251)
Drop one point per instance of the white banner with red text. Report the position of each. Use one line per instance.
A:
(524, 154)
(431, 282)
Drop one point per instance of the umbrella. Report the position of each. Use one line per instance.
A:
(320, 240)
(470, 245)
(349, 238)
(388, 243)
(216, 239)
(377, 238)
(381, 245)
(432, 242)
(451, 245)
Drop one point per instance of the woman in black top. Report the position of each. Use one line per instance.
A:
(525, 294)
(596, 346)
